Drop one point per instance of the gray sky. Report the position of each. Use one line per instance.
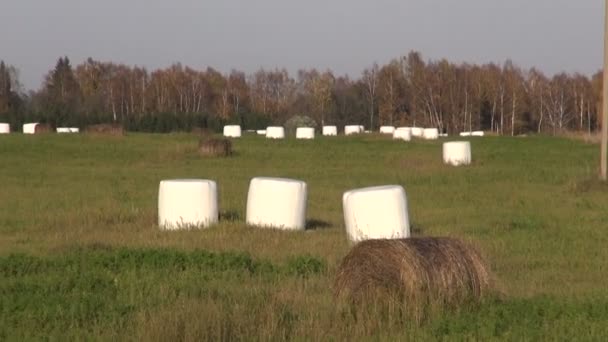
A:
(343, 35)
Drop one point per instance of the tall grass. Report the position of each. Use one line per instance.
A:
(81, 256)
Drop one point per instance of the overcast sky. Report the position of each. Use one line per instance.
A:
(343, 35)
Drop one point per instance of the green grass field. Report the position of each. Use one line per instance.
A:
(81, 256)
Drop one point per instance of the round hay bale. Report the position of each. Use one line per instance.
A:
(214, 147)
(5, 128)
(330, 130)
(418, 272)
(387, 129)
(305, 133)
(113, 129)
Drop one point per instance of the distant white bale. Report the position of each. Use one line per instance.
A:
(443, 135)
(277, 203)
(63, 130)
(457, 153)
(5, 128)
(232, 131)
(187, 203)
(417, 132)
(330, 130)
(352, 129)
(478, 133)
(387, 129)
(361, 128)
(376, 213)
(305, 133)
(261, 132)
(367, 132)
(275, 132)
(430, 133)
(30, 128)
(465, 134)
(250, 131)
(403, 133)
(74, 130)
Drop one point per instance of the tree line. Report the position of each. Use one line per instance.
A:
(408, 91)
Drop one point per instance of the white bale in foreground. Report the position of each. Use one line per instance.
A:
(5, 128)
(478, 133)
(305, 133)
(30, 128)
(387, 129)
(457, 153)
(232, 131)
(465, 134)
(275, 132)
(330, 130)
(352, 129)
(277, 203)
(417, 132)
(376, 213)
(430, 134)
(261, 132)
(403, 133)
(187, 203)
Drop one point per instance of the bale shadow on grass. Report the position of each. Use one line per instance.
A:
(416, 229)
(314, 224)
(230, 215)
(588, 184)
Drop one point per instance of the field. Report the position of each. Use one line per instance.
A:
(81, 256)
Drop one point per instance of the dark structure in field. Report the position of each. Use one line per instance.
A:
(106, 129)
(214, 147)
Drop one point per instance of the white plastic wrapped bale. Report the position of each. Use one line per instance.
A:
(74, 130)
(376, 213)
(275, 132)
(232, 131)
(387, 129)
(417, 132)
(5, 128)
(187, 203)
(305, 133)
(30, 128)
(465, 134)
(403, 133)
(330, 130)
(261, 132)
(478, 133)
(352, 129)
(430, 134)
(63, 130)
(443, 135)
(277, 203)
(457, 153)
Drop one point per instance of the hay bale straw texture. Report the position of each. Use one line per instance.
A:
(214, 147)
(113, 129)
(416, 271)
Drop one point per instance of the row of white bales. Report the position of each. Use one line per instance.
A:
(369, 213)
(30, 128)
(402, 133)
(278, 132)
